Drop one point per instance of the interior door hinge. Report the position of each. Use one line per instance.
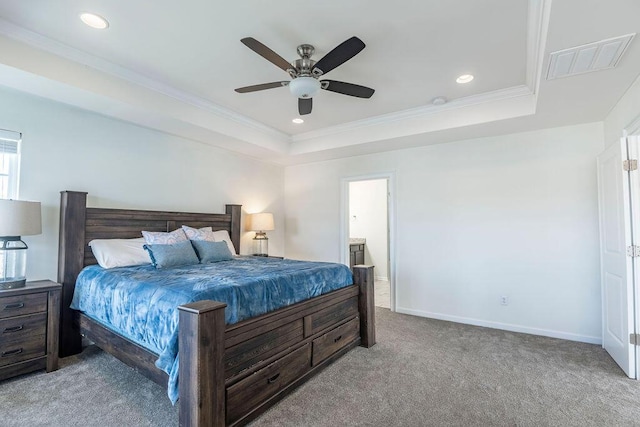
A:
(633, 251)
(634, 339)
(630, 165)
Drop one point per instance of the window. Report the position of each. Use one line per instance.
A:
(9, 163)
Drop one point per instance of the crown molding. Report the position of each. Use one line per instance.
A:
(54, 47)
(418, 112)
(539, 15)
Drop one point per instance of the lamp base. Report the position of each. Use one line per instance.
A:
(12, 284)
(261, 244)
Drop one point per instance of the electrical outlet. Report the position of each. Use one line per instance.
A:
(504, 300)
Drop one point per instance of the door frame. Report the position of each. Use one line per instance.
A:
(391, 224)
(631, 133)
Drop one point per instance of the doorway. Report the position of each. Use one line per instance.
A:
(367, 231)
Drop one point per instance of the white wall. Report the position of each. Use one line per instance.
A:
(514, 215)
(127, 166)
(626, 110)
(368, 219)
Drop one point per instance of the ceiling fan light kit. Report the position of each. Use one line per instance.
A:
(305, 72)
(304, 87)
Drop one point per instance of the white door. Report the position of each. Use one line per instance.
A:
(633, 151)
(616, 266)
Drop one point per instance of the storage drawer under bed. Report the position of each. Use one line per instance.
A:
(247, 394)
(329, 343)
(330, 316)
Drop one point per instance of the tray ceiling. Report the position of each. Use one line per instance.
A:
(174, 66)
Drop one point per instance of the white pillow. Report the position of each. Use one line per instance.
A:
(223, 236)
(112, 253)
(205, 233)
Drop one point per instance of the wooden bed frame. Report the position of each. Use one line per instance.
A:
(229, 374)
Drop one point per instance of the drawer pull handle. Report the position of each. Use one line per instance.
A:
(11, 352)
(273, 378)
(338, 338)
(13, 329)
(14, 306)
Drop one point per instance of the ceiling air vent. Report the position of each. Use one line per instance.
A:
(589, 57)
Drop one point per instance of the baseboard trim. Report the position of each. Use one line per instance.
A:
(504, 326)
(381, 278)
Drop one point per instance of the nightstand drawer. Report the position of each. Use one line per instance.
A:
(23, 304)
(13, 351)
(17, 328)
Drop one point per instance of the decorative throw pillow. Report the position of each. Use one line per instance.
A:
(211, 251)
(160, 238)
(205, 233)
(223, 236)
(111, 253)
(163, 256)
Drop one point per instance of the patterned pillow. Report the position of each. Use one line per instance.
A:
(163, 256)
(160, 238)
(205, 233)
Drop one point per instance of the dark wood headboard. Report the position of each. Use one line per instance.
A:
(80, 224)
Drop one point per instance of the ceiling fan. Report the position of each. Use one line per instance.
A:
(305, 72)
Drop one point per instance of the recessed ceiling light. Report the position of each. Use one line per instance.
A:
(465, 78)
(298, 121)
(94, 21)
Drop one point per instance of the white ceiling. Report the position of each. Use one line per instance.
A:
(174, 66)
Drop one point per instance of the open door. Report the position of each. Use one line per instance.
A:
(617, 275)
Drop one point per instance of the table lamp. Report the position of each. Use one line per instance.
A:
(261, 222)
(17, 218)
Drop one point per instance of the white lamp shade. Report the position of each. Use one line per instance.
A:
(20, 218)
(261, 222)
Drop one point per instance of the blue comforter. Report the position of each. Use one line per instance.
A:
(140, 303)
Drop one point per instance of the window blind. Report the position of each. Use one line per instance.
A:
(9, 141)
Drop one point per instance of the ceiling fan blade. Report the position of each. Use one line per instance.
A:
(339, 55)
(304, 105)
(347, 88)
(262, 86)
(266, 53)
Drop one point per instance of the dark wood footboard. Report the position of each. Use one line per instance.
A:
(267, 357)
(201, 371)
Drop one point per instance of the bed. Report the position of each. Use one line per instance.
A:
(228, 373)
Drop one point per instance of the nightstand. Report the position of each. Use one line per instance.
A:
(29, 324)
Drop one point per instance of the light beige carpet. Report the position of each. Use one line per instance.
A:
(421, 373)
